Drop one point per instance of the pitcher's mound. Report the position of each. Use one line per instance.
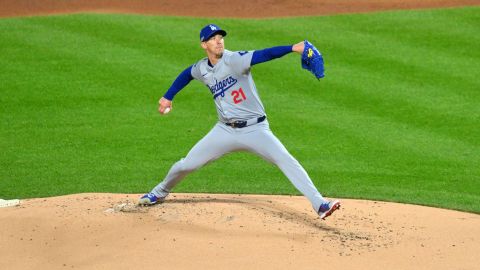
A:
(201, 231)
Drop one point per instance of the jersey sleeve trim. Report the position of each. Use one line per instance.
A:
(180, 82)
(268, 54)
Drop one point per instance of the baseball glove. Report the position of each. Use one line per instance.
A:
(312, 60)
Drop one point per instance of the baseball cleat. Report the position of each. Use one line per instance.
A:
(149, 199)
(326, 209)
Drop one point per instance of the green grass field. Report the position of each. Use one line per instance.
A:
(397, 117)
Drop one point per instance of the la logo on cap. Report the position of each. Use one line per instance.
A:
(209, 30)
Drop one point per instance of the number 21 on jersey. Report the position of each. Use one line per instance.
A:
(238, 96)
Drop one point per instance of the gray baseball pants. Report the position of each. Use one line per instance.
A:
(258, 139)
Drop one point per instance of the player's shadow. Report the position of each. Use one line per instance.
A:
(266, 207)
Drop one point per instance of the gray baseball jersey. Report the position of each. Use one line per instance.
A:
(231, 84)
(236, 98)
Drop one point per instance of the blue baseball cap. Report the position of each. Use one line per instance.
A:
(210, 30)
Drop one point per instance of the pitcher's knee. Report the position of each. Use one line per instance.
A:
(184, 165)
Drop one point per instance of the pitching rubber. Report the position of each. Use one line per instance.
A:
(8, 203)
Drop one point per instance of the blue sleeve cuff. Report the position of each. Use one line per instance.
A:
(268, 54)
(180, 82)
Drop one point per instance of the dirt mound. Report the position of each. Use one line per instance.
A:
(201, 231)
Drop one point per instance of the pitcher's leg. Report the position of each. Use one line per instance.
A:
(264, 143)
(215, 144)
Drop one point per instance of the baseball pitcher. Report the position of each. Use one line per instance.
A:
(242, 122)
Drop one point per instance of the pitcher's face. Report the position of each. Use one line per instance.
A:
(214, 46)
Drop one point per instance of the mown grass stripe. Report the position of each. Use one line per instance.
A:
(396, 118)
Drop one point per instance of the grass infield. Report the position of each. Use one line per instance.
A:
(397, 117)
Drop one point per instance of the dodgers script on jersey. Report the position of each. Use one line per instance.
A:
(231, 84)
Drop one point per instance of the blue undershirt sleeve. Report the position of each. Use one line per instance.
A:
(180, 82)
(268, 54)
